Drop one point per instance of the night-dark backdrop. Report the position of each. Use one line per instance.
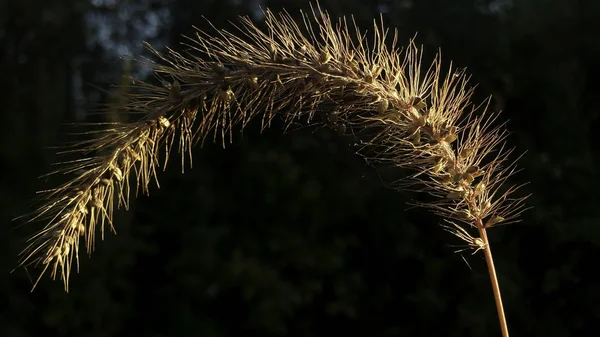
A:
(293, 234)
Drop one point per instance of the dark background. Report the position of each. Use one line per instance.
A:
(292, 234)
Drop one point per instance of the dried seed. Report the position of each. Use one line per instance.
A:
(252, 82)
(421, 121)
(476, 212)
(74, 224)
(464, 214)
(376, 70)
(416, 137)
(354, 66)
(67, 250)
(276, 79)
(273, 53)
(97, 202)
(332, 117)
(244, 56)
(466, 152)
(493, 221)
(117, 173)
(472, 169)
(448, 134)
(445, 178)
(226, 94)
(175, 92)
(54, 253)
(163, 122)
(300, 52)
(290, 61)
(418, 103)
(218, 68)
(82, 209)
(479, 188)
(439, 166)
(468, 177)
(133, 154)
(326, 68)
(450, 138)
(324, 56)
(479, 242)
(455, 195)
(383, 106)
(350, 56)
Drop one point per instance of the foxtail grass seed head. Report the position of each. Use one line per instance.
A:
(407, 113)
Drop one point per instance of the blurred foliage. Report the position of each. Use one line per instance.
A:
(293, 234)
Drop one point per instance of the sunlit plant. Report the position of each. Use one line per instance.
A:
(406, 114)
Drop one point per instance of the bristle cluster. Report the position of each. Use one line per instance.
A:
(413, 117)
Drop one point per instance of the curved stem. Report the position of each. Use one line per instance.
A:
(494, 279)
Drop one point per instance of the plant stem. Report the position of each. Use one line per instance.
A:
(492, 270)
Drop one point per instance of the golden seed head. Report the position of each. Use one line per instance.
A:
(275, 74)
